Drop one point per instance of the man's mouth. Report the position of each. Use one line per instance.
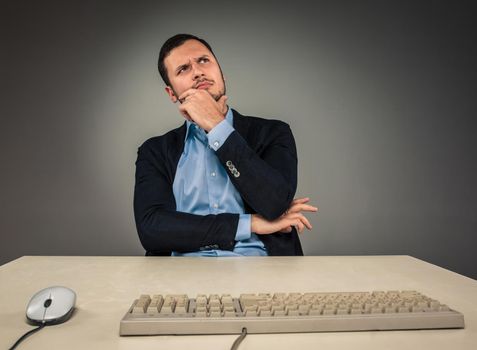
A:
(203, 85)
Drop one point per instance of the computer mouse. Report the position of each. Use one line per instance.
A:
(51, 305)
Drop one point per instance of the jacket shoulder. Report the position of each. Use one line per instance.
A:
(174, 137)
(248, 123)
(253, 127)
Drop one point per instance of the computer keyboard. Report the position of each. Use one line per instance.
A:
(286, 312)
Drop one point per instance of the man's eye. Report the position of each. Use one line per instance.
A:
(204, 60)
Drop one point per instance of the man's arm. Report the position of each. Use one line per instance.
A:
(163, 229)
(266, 178)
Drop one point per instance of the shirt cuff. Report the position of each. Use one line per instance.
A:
(244, 228)
(219, 134)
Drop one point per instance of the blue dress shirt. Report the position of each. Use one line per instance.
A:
(202, 186)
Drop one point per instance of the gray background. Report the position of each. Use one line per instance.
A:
(381, 97)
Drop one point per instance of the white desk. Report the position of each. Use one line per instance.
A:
(106, 287)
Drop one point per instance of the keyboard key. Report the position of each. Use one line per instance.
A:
(342, 311)
(250, 313)
(264, 313)
(329, 310)
(142, 304)
(278, 313)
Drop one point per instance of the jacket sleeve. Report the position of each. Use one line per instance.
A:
(266, 175)
(160, 227)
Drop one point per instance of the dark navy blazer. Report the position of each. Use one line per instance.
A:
(263, 154)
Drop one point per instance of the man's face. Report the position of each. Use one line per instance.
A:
(192, 65)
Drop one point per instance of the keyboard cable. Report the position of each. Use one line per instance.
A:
(237, 341)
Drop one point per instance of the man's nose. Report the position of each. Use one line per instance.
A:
(197, 71)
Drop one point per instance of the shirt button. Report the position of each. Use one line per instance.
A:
(216, 143)
(216, 205)
(213, 173)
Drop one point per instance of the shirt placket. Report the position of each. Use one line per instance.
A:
(212, 181)
(211, 174)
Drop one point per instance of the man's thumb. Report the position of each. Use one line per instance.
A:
(221, 101)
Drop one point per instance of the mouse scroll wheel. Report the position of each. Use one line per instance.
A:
(47, 303)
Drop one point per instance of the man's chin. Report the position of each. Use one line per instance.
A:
(216, 97)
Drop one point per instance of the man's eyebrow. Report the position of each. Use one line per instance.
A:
(185, 65)
(203, 56)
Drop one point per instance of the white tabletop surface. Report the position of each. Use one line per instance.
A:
(106, 287)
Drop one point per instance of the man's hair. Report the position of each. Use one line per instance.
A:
(169, 45)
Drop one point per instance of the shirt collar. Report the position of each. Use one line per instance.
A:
(229, 117)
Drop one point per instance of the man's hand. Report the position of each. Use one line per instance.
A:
(291, 218)
(199, 106)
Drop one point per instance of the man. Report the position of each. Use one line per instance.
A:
(221, 184)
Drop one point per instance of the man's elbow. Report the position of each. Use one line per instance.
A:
(145, 237)
(273, 213)
(277, 207)
(150, 236)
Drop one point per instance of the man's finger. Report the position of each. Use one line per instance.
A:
(300, 227)
(298, 217)
(286, 230)
(222, 99)
(186, 94)
(302, 207)
(184, 113)
(310, 208)
(222, 102)
(303, 221)
(306, 207)
(300, 200)
(307, 223)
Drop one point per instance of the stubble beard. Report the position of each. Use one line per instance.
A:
(219, 95)
(216, 97)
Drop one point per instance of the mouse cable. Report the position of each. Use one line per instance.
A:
(24, 336)
(235, 345)
(237, 341)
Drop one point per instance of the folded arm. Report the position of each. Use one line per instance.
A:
(160, 226)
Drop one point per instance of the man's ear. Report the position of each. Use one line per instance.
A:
(171, 94)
